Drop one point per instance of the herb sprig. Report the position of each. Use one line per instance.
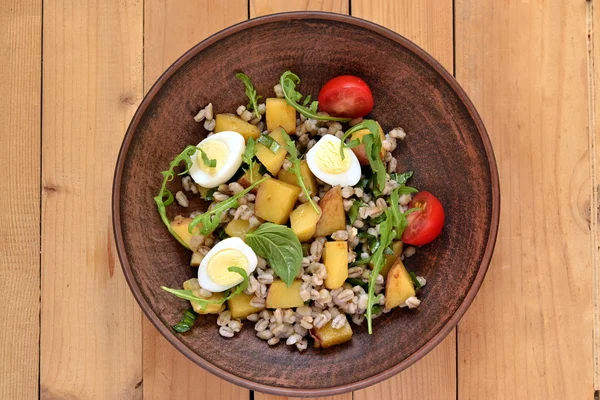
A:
(399, 220)
(288, 82)
(253, 98)
(210, 220)
(293, 152)
(248, 157)
(164, 198)
(209, 162)
(203, 303)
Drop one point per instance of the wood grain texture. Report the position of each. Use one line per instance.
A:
(264, 7)
(529, 332)
(20, 85)
(593, 36)
(428, 24)
(91, 336)
(171, 28)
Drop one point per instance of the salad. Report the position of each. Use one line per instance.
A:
(308, 221)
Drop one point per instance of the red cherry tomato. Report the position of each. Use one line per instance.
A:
(425, 224)
(346, 96)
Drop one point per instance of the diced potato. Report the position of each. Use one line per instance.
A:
(333, 216)
(326, 336)
(390, 259)
(275, 200)
(303, 221)
(196, 259)
(359, 150)
(309, 179)
(194, 286)
(245, 180)
(272, 161)
(399, 286)
(240, 307)
(280, 113)
(237, 228)
(282, 296)
(231, 122)
(181, 225)
(335, 258)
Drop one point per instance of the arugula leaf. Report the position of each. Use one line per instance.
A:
(361, 261)
(248, 157)
(187, 321)
(210, 193)
(164, 197)
(363, 183)
(269, 143)
(293, 152)
(288, 82)
(353, 211)
(203, 303)
(372, 150)
(401, 178)
(388, 251)
(280, 246)
(250, 93)
(369, 124)
(209, 162)
(407, 190)
(210, 220)
(386, 232)
(376, 309)
(358, 282)
(399, 220)
(416, 282)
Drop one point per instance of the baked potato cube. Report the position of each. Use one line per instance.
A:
(390, 259)
(245, 180)
(196, 259)
(282, 296)
(237, 228)
(360, 151)
(180, 225)
(309, 179)
(240, 307)
(303, 221)
(399, 286)
(275, 200)
(231, 122)
(333, 216)
(272, 161)
(194, 286)
(280, 114)
(326, 336)
(335, 258)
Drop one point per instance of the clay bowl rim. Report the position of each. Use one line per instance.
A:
(438, 337)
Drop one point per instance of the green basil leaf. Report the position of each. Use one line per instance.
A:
(358, 282)
(187, 321)
(269, 143)
(416, 282)
(280, 246)
(401, 178)
(353, 212)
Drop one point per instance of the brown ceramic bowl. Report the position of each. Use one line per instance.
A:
(447, 147)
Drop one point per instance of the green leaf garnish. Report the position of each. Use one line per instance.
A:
(361, 261)
(401, 178)
(399, 220)
(209, 162)
(210, 220)
(203, 303)
(288, 82)
(250, 93)
(358, 282)
(280, 246)
(386, 232)
(293, 152)
(164, 197)
(353, 212)
(269, 143)
(187, 321)
(248, 157)
(416, 282)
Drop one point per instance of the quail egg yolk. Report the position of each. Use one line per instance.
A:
(219, 264)
(215, 150)
(329, 160)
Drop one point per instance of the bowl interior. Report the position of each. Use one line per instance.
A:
(445, 146)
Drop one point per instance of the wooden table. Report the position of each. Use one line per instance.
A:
(73, 73)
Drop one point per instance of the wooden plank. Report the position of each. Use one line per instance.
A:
(529, 332)
(428, 24)
(20, 85)
(91, 325)
(264, 7)
(171, 28)
(593, 35)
